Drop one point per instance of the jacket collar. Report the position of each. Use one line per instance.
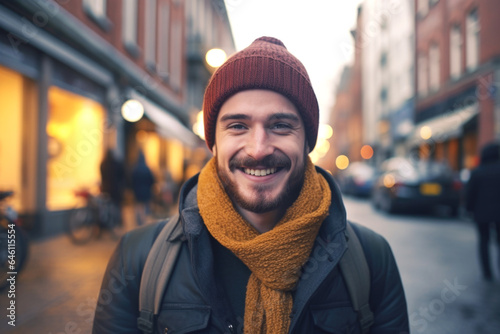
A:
(334, 223)
(328, 248)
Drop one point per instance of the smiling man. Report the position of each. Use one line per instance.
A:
(264, 239)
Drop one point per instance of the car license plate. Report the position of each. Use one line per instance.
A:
(432, 189)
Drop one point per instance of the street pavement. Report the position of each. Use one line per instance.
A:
(438, 262)
(57, 291)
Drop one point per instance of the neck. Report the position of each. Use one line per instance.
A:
(262, 222)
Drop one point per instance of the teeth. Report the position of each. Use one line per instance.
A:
(260, 172)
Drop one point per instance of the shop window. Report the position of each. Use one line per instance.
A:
(18, 149)
(75, 132)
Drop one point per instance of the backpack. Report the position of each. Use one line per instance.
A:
(163, 254)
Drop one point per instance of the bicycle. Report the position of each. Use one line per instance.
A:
(97, 214)
(14, 243)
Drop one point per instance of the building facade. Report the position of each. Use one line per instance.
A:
(457, 56)
(66, 69)
(388, 75)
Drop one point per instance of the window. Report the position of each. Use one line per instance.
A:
(434, 67)
(422, 75)
(18, 138)
(163, 43)
(151, 34)
(455, 52)
(177, 54)
(96, 10)
(383, 59)
(75, 128)
(383, 96)
(423, 7)
(472, 40)
(129, 27)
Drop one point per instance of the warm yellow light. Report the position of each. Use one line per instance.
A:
(141, 136)
(425, 132)
(132, 110)
(325, 131)
(389, 181)
(322, 147)
(314, 156)
(58, 130)
(366, 152)
(342, 162)
(198, 127)
(215, 57)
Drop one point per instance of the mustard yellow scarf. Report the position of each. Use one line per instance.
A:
(275, 257)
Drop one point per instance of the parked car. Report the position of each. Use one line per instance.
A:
(357, 179)
(406, 184)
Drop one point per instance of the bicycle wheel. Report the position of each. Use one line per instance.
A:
(81, 225)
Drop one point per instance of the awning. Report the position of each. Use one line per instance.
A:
(447, 126)
(166, 125)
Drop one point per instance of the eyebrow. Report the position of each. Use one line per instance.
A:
(234, 117)
(276, 116)
(283, 115)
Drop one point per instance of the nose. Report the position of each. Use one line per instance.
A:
(259, 144)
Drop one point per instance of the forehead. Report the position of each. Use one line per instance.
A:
(258, 103)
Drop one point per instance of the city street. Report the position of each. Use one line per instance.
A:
(437, 258)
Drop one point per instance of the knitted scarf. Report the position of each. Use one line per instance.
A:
(275, 257)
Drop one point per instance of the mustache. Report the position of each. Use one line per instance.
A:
(269, 161)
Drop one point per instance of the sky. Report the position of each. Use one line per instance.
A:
(317, 32)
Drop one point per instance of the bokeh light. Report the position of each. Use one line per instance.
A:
(342, 162)
(366, 152)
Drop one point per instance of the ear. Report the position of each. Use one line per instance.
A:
(214, 150)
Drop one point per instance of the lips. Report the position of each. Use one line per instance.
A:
(260, 172)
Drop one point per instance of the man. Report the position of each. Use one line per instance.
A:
(482, 199)
(264, 229)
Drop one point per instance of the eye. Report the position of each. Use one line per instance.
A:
(282, 127)
(236, 126)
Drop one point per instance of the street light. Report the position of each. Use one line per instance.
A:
(215, 57)
(132, 110)
(425, 132)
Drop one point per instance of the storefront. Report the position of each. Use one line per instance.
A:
(54, 124)
(451, 137)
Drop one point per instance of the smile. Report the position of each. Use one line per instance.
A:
(260, 172)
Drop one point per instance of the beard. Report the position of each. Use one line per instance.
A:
(260, 201)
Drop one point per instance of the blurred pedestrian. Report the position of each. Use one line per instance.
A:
(113, 181)
(483, 200)
(142, 187)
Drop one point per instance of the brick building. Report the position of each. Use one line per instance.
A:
(457, 71)
(66, 69)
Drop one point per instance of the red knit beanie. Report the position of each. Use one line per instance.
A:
(265, 64)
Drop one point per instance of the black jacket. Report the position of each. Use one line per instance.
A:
(483, 188)
(195, 302)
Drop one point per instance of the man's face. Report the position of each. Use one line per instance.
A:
(261, 150)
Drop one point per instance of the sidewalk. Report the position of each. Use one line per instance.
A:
(57, 290)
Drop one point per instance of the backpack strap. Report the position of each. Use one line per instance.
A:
(356, 273)
(156, 273)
